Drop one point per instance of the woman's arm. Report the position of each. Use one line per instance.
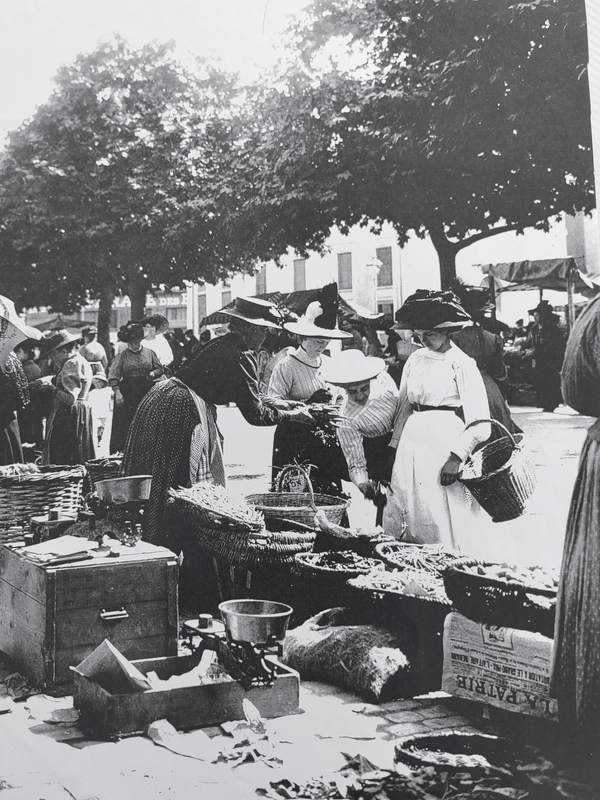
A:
(471, 390)
(70, 379)
(280, 382)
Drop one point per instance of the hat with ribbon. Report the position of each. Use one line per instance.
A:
(59, 339)
(256, 311)
(157, 321)
(351, 366)
(319, 321)
(88, 330)
(429, 310)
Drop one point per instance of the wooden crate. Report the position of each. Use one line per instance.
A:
(110, 716)
(53, 617)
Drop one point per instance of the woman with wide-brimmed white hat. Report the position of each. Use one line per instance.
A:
(367, 418)
(297, 377)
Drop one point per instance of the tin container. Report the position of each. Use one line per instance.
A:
(44, 527)
(255, 621)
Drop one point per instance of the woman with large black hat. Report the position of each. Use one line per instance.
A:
(155, 326)
(441, 392)
(131, 375)
(70, 426)
(297, 377)
(174, 435)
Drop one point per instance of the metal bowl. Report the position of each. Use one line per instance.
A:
(124, 490)
(255, 621)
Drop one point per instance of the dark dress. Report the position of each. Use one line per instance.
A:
(14, 397)
(70, 428)
(31, 416)
(129, 372)
(548, 344)
(576, 669)
(159, 439)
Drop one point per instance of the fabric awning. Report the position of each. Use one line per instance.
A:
(549, 273)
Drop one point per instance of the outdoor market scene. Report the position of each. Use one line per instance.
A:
(299, 463)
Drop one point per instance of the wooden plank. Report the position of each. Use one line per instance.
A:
(85, 625)
(111, 583)
(172, 606)
(19, 610)
(23, 573)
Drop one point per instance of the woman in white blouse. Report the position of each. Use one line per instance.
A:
(441, 392)
(154, 329)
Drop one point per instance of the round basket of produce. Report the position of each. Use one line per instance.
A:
(280, 508)
(498, 594)
(205, 505)
(426, 558)
(393, 585)
(334, 567)
(480, 754)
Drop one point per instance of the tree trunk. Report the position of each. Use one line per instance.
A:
(446, 251)
(107, 297)
(138, 287)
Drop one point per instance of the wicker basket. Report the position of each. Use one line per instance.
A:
(281, 507)
(499, 475)
(305, 565)
(497, 602)
(398, 554)
(456, 751)
(103, 469)
(34, 494)
(248, 549)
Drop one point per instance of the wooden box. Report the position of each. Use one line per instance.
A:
(501, 667)
(52, 617)
(110, 716)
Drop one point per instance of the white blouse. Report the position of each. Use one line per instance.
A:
(453, 379)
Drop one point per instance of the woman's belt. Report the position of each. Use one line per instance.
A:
(455, 409)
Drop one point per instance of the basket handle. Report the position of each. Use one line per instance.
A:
(297, 467)
(502, 427)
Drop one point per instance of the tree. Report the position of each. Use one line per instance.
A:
(457, 119)
(125, 180)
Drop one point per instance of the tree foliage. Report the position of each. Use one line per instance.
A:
(457, 119)
(123, 181)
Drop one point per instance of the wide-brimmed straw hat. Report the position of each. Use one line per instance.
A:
(256, 311)
(157, 321)
(59, 339)
(351, 366)
(429, 310)
(319, 321)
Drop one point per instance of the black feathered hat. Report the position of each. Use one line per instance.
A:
(429, 310)
(319, 321)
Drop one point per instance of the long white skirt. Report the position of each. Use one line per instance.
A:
(433, 514)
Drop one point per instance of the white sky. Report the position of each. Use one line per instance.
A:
(38, 36)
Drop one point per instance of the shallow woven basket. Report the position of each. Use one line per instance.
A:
(103, 469)
(497, 602)
(391, 554)
(456, 751)
(202, 517)
(499, 475)
(277, 507)
(248, 549)
(34, 494)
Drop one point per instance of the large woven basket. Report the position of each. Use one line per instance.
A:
(103, 469)
(250, 549)
(34, 494)
(479, 754)
(496, 602)
(499, 475)
(281, 507)
(306, 565)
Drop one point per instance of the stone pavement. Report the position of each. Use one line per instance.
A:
(54, 761)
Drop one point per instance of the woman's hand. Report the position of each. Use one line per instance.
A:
(118, 397)
(450, 470)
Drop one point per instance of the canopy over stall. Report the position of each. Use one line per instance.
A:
(298, 303)
(558, 274)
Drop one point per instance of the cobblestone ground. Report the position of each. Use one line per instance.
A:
(44, 758)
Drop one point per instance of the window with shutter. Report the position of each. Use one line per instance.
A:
(299, 274)
(385, 276)
(344, 271)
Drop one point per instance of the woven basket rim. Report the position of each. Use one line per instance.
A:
(306, 560)
(457, 569)
(323, 500)
(400, 595)
(506, 467)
